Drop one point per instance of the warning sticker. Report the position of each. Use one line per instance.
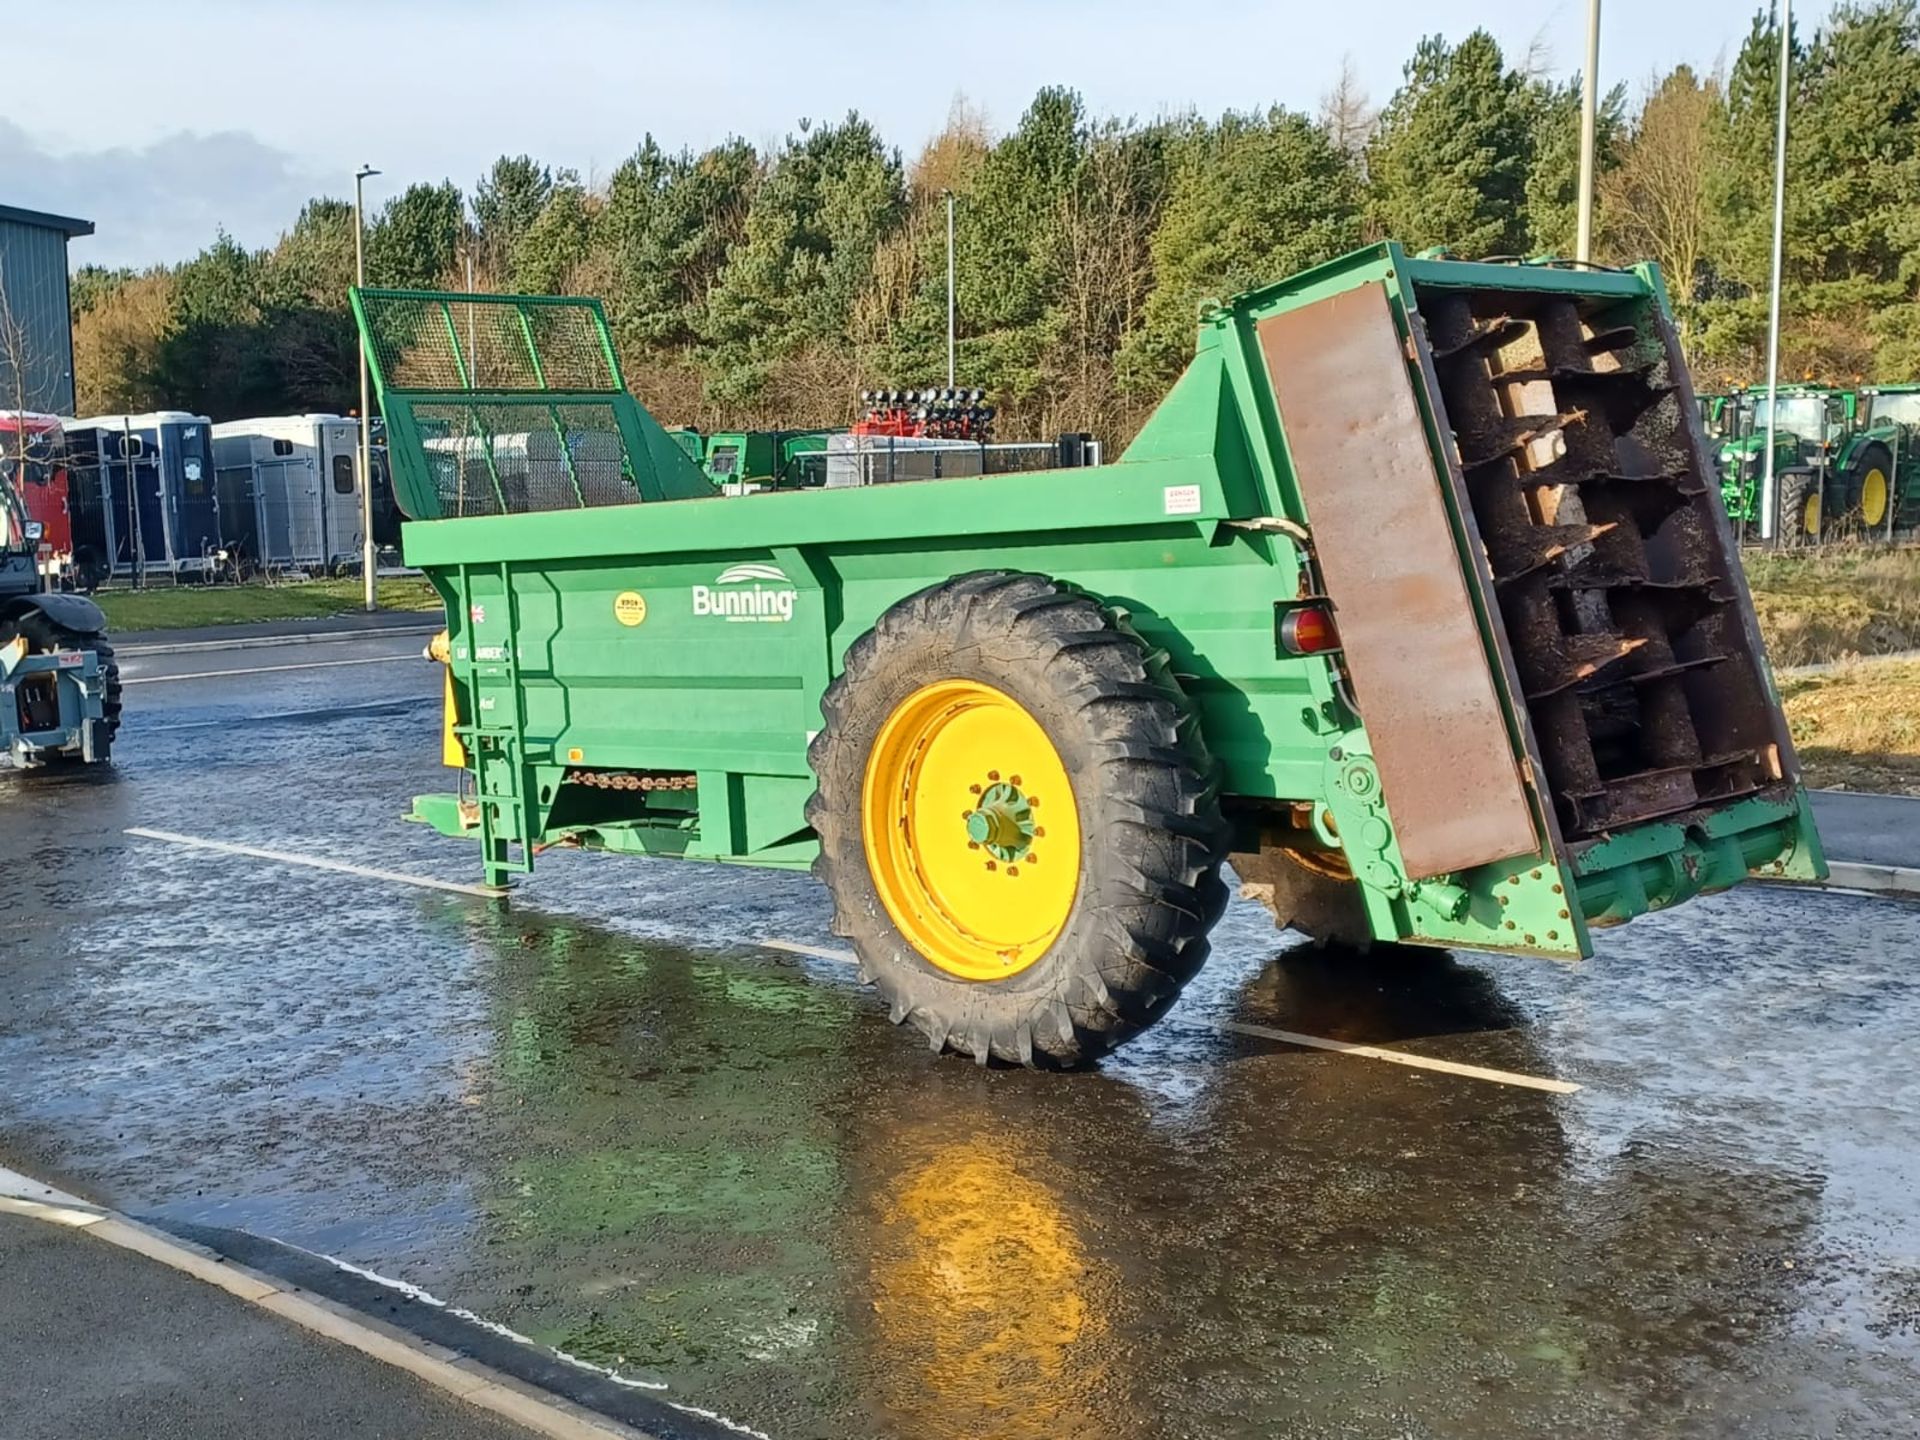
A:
(1182, 499)
(630, 607)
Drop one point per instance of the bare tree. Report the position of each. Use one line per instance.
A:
(1656, 202)
(24, 366)
(27, 371)
(951, 158)
(1106, 225)
(1344, 112)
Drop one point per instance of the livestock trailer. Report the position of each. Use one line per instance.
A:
(289, 488)
(148, 494)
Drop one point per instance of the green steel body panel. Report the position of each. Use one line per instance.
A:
(1198, 536)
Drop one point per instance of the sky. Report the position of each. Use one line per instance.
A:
(185, 118)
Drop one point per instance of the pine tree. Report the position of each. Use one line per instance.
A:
(414, 243)
(550, 254)
(1255, 199)
(1553, 161)
(1008, 246)
(833, 193)
(1449, 160)
(669, 224)
(507, 201)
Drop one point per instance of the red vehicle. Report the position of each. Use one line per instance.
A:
(33, 455)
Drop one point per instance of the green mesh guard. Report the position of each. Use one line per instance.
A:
(510, 404)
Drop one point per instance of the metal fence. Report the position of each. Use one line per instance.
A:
(851, 460)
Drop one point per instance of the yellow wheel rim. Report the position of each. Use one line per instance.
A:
(1873, 496)
(1810, 516)
(971, 832)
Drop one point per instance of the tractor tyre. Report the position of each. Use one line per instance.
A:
(1017, 821)
(44, 636)
(1307, 893)
(1871, 487)
(1797, 508)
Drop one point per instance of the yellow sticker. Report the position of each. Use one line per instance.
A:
(629, 607)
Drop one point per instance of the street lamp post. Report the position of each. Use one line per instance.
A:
(950, 310)
(1768, 481)
(368, 559)
(1589, 118)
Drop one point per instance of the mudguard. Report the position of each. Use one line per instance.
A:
(73, 613)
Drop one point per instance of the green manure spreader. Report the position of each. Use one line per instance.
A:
(1414, 601)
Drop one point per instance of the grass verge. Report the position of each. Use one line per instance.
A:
(188, 606)
(1857, 727)
(1829, 604)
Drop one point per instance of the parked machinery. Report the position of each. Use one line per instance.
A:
(59, 686)
(1845, 461)
(1413, 598)
(1879, 457)
(934, 414)
(1812, 494)
(748, 461)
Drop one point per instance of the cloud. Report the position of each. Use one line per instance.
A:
(161, 202)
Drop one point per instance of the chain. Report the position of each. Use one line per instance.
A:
(630, 780)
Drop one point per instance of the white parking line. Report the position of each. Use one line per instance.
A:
(818, 952)
(269, 669)
(313, 862)
(847, 957)
(1401, 1057)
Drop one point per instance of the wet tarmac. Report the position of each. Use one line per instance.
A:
(604, 1116)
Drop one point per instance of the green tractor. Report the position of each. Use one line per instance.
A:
(1811, 492)
(1846, 462)
(1411, 600)
(1880, 456)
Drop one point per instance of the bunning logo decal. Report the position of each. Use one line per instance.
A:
(754, 590)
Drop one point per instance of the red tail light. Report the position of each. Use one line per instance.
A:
(1308, 630)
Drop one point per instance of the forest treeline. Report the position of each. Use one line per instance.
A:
(755, 288)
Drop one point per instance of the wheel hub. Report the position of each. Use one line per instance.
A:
(1002, 824)
(982, 899)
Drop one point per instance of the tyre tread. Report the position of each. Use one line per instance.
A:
(1158, 801)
